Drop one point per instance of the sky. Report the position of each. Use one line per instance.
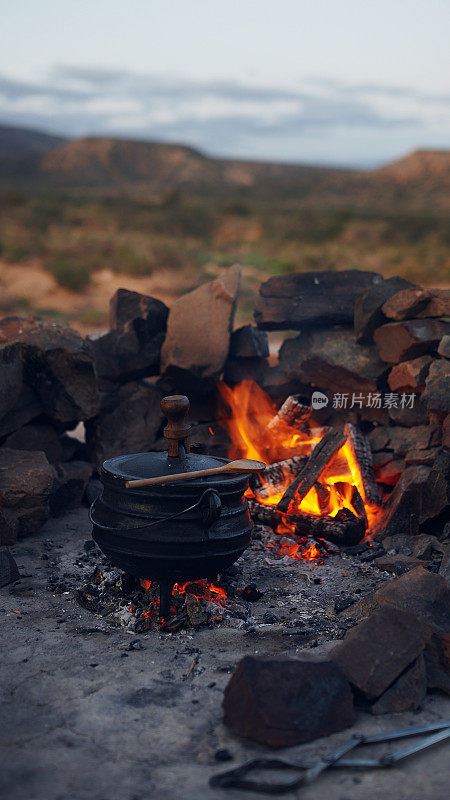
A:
(345, 82)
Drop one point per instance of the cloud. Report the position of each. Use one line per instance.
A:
(222, 117)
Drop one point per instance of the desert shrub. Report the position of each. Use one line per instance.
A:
(237, 208)
(130, 261)
(70, 273)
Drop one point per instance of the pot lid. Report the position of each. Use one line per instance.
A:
(152, 465)
(135, 466)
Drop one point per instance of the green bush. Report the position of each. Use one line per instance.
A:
(70, 274)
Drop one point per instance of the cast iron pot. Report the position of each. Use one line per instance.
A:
(171, 532)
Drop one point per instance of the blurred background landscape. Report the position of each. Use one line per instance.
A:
(115, 171)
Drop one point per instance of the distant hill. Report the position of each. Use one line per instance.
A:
(422, 165)
(21, 149)
(39, 161)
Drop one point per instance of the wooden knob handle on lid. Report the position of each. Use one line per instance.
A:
(175, 407)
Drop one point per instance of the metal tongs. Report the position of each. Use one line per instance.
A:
(237, 778)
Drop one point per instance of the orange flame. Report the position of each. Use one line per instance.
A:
(246, 415)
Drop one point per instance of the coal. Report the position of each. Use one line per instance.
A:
(283, 702)
(400, 341)
(378, 649)
(407, 693)
(9, 571)
(311, 299)
(26, 484)
(368, 314)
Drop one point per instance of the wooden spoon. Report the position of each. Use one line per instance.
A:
(243, 465)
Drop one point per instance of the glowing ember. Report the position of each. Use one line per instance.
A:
(201, 592)
(248, 412)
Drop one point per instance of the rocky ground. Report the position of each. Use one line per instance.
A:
(92, 711)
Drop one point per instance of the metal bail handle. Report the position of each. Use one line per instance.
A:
(175, 407)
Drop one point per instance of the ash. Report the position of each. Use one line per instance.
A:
(280, 581)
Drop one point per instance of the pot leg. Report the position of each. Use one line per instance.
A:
(165, 598)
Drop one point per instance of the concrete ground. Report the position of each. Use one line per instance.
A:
(84, 718)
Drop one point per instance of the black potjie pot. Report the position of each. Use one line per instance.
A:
(171, 532)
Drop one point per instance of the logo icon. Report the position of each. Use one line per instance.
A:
(319, 400)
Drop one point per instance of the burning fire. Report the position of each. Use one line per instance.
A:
(248, 412)
(200, 590)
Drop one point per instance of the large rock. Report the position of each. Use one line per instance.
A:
(38, 436)
(57, 363)
(249, 342)
(421, 593)
(437, 661)
(436, 396)
(378, 649)
(402, 512)
(9, 571)
(199, 327)
(399, 341)
(129, 422)
(11, 377)
(123, 355)
(311, 299)
(368, 307)
(421, 437)
(407, 693)
(26, 408)
(418, 302)
(72, 479)
(409, 376)
(436, 496)
(283, 702)
(132, 348)
(444, 346)
(131, 309)
(26, 484)
(331, 359)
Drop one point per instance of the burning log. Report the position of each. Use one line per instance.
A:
(275, 476)
(351, 493)
(317, 462)
(362, 454)
(292, 414)
(343, 529)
